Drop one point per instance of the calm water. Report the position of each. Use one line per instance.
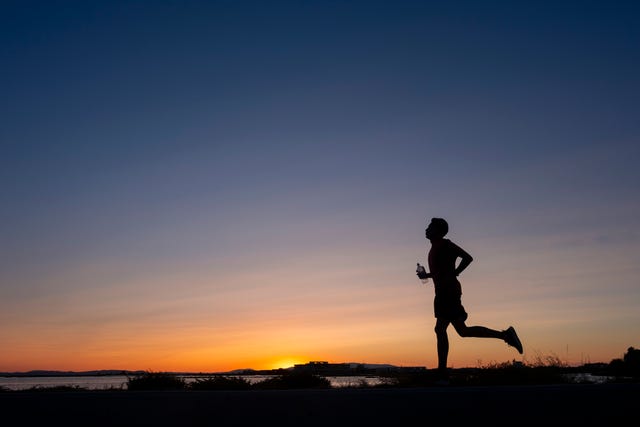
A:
(120, 381)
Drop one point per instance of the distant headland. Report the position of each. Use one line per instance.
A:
(314, 367)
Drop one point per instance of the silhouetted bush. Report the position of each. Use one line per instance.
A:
(510, 374)
(294, 380)
(155, 381)
(626, 368)
(632, 362)
(220, 383)
(543, 370)
(617, 367)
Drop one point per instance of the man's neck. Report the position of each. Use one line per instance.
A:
(436, 240)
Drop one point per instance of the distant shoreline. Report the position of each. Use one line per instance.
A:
(332, 369)
(321, 368)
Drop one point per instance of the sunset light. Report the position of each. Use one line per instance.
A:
(286, 363)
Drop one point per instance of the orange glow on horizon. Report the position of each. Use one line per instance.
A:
(285, 363)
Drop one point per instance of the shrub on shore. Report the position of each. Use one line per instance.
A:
(514, 374)
(156, 381)
(168, 381)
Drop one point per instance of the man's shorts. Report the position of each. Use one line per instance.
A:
(449, 307)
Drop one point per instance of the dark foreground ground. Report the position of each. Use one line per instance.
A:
(538, 405)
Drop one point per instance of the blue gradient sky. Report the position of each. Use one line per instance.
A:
(226, 184)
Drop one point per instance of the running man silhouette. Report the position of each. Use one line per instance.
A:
(447, 303)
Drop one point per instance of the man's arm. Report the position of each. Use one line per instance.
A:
(465, 260)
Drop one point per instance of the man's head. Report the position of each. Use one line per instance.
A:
(437, 229)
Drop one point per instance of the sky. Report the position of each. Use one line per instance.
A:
(212, 185)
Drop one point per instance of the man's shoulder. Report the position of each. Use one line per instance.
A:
(451, 245)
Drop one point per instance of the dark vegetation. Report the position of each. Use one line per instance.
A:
(543, 370)
(165, 381)
(293, 381)
(156, 381)
(220, 383)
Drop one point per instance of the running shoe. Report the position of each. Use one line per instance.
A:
(512, 339)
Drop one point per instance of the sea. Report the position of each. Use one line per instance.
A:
(119, 382)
